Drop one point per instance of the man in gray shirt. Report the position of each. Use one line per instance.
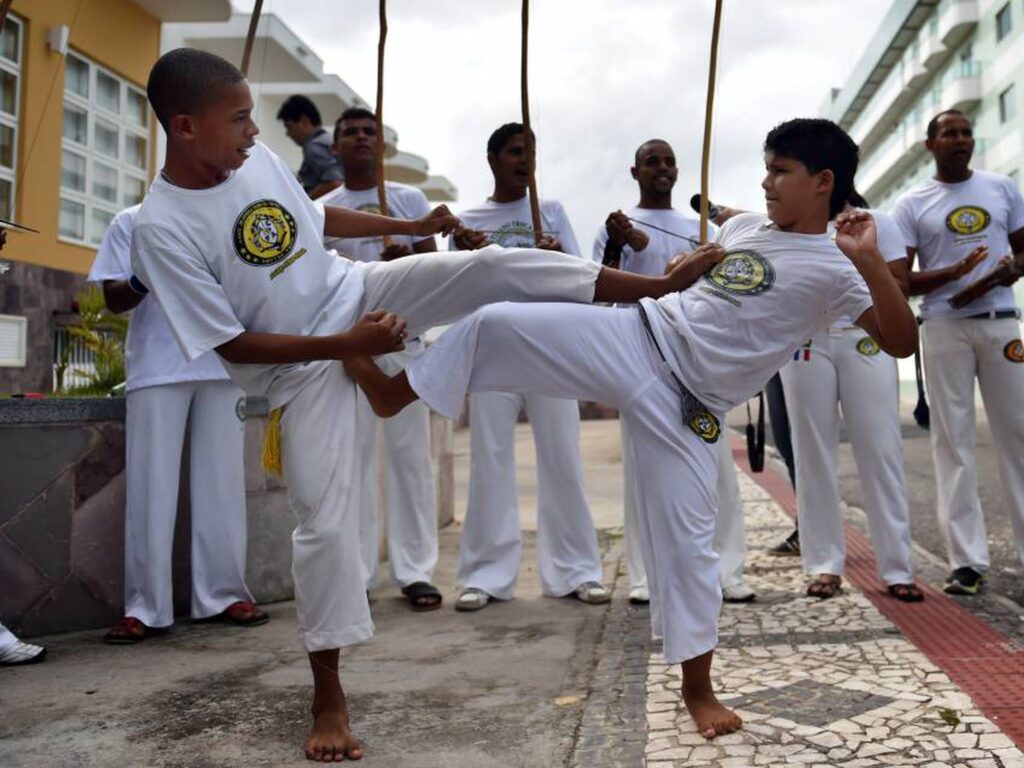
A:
(320, 171)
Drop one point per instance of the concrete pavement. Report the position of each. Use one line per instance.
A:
(533, 682)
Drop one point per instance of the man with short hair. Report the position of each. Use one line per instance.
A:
(491, 543)
(320, 171)
(668, 232)
(961, 224)
(410, 490)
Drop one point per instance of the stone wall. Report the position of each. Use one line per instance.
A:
(36, 293)
(62, 491)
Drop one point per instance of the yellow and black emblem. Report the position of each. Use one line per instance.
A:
(1014, 351)
(868, 347)
(705, 426)
(264, 233)
(743, 273)
(968, 220)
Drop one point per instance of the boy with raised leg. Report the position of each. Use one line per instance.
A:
(232, 248)
(675, 366)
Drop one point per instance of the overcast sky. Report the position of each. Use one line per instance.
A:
(604, 76)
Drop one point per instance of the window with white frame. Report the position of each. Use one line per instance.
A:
(1007, 104)
(105, 149)
(10, 98)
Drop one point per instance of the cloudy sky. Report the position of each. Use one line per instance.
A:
(604, 76)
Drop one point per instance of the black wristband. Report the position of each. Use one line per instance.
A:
(137, 286)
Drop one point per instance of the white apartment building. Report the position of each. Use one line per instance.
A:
(281, 65)
(926, 56)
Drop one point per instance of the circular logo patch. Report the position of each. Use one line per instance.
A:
(705, 426)
(744, 273)
(1014, 351)
(968, 220)
(868, 346)
(264, 233)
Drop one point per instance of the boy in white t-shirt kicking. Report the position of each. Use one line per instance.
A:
(233, 250)
(675, 366)
(410, 489)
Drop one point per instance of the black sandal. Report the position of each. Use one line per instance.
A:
(906, 593)
(422, 596)
(824, 589)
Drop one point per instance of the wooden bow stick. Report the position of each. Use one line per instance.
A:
(382, 195)
(706, 150)
(251, 36)
(531, 150)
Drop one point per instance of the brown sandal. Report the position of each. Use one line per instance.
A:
(244, 614)
(824, 589)
(906, 593)
(127, 631)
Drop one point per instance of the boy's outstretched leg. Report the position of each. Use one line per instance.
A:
(712, 718)
(331, 739)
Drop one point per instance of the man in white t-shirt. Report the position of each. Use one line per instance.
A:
(165, 395)
(233, 250)
(490, 548)
(410, 489)
(842, 366)
(668, 232)
(961, 224)
(675, 366)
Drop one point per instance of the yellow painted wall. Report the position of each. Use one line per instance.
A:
(115, 33)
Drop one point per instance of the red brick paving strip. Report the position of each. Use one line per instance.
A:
(984, 662)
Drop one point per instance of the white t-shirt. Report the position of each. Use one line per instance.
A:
(945, 222)
(245, 255)
(509, 224)
(151, 356)
(890, 245)
(733, 329)
(404, 202)
(661, 246)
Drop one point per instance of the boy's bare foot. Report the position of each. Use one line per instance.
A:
(331, 740)
(712, 718)
(387, 396)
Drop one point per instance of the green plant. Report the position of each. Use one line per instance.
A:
(103, 333)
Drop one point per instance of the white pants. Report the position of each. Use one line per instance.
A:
(155, 424)
(730, 532)
(410, 489)
(844, 370)
(955, 352)
(491, 542)
(319, 425)
(604, 354)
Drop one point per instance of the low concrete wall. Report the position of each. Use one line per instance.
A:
(62, 490)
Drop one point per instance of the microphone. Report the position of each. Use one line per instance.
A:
(714, 211)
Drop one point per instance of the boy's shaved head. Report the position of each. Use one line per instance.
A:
(185, 80)
(820, 145)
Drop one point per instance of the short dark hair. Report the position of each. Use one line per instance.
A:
(352, 113)
(186, 80)
(933, 125)
(857, 200)
(636, 155)
(820, 145)
(501, 137)
(298, 106)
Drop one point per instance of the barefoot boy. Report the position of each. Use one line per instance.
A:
(233, 250)
(673, 367)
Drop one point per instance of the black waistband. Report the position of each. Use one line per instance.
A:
(997, 314)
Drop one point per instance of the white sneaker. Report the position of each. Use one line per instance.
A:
(738, 593)
(472, 599)
(21, 653)
(592, 593)
(639, 596)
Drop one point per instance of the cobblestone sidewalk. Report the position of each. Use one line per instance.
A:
(818, 683)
